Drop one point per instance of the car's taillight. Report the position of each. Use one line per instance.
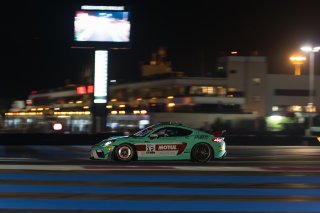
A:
(217, 140)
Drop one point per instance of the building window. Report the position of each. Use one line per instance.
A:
(208, 90)
(256, 80)
(221, 91)
(295, 108)
(203, 90)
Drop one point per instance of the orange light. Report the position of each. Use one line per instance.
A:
(297, 61)
(171, 104)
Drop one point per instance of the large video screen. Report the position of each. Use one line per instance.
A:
(102, 26)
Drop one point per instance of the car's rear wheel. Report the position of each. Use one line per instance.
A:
(201, 152)
(125, 152)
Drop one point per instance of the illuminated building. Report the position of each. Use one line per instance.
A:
(245, 91)
(69, 106)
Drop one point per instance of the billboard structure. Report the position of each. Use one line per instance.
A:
(101, 28)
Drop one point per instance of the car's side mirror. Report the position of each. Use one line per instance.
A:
(152, 136)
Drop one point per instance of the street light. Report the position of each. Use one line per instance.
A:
(310, 107)
(297, 61)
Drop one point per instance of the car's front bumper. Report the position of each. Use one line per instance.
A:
(100, 154)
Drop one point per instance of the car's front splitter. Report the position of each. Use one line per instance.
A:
(99, 154)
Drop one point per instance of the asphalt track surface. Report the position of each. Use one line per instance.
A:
(251, 179)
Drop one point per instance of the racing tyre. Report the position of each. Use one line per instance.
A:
(125, 152)
(201, 152)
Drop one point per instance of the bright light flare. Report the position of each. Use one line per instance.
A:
(310, 49)
(275, 118)
(306, 48)
(297, 59)
(57, 126)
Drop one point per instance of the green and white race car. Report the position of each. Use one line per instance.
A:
(163, 141)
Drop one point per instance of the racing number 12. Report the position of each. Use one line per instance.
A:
(150, 148)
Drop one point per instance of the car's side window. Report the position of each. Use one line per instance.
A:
(172, 132)
(177, 132)
(182, 132)
(161, 132)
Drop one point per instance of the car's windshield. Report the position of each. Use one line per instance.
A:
(144, 132)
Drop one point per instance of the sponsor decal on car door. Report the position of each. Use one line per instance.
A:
(160, 149)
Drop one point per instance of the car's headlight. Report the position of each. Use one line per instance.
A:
(107, 143)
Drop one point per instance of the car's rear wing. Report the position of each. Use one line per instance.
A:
(219, 133)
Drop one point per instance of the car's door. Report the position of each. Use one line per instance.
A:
(163, 143)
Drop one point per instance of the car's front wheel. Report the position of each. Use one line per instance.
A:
(125, 152)
(201, 152)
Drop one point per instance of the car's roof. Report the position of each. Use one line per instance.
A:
(169, 123)
(175, 124)
(180, 125)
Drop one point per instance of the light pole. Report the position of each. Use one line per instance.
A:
(310, 107)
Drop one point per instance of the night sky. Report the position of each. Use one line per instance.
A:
(37, 35)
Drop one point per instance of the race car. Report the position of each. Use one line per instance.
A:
(163, 141)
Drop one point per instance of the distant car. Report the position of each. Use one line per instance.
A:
(163, 141)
